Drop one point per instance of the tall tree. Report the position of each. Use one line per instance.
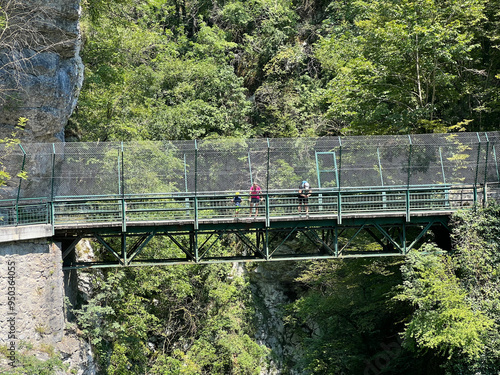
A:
(400, 68)
(456, 296)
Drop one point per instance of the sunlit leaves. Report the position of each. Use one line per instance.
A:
(444, 320)
(142, 84)
(457, 295)
(417, 51)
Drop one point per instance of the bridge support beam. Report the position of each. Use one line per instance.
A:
(257, 242)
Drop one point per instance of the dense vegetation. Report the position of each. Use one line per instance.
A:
(185, 69)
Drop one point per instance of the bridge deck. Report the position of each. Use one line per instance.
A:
(394, 220)
(206, 212)
(260, 221)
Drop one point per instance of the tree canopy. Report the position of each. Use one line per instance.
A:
(185, 69)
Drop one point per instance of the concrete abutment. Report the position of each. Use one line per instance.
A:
(33, 315)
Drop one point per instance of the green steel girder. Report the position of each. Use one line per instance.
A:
(110, 249)
(375, 237)
(388, 237)
(351, 239)
(264, 243)
(139, 246)
(71, 247)
(317, 239)
(292, 230)
(179, 245)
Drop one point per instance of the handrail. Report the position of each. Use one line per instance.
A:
(331, 203)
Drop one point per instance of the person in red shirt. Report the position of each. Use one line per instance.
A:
(255, 198)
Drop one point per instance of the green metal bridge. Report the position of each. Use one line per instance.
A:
(388, 191)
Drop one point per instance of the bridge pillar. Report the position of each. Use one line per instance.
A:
(32, 310)
(31, 293)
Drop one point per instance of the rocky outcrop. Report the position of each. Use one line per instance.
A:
(270, 284)
(41, 72)
(32, 274)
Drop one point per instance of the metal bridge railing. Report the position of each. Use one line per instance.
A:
(28, 212)
(275, 205)
(324, 203)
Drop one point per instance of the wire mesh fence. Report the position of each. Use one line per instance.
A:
(210, 167)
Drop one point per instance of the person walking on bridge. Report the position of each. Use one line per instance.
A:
(237, 203)
(255, 197)
(304, 194)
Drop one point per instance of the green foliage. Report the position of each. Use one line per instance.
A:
(8, 145)
(29, 364)
(179, 320)
(444, 320)
(401, 65)
(167, 69)
(456, 296)
(141, 84)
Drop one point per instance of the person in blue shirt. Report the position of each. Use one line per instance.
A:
(303, 195)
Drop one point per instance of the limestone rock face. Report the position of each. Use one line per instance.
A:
(41, 72)
(270, 284)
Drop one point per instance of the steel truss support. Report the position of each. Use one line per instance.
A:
(198, 246)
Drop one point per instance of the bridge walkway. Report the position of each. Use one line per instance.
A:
(390, 190)
(394, 219)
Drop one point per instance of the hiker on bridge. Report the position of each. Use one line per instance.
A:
(237, 203)
(303, 195)
(255, 198)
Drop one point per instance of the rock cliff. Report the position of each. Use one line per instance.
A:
(41, 72)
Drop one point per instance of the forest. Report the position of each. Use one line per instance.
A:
(196, 69)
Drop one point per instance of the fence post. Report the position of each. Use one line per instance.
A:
(339, 181)
(410, 151)
(267, 188)
(19, 187)
(53, 172)
(122, 192)
(384, 197)
(477, 164)
(339, 207)
(186, 200)
(408, 204)
(339, 175)
(486, 169)
(447, 191)
(52, 216)
(196, 189)
(408, 213)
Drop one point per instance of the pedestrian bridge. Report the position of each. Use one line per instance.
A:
(371, 196)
